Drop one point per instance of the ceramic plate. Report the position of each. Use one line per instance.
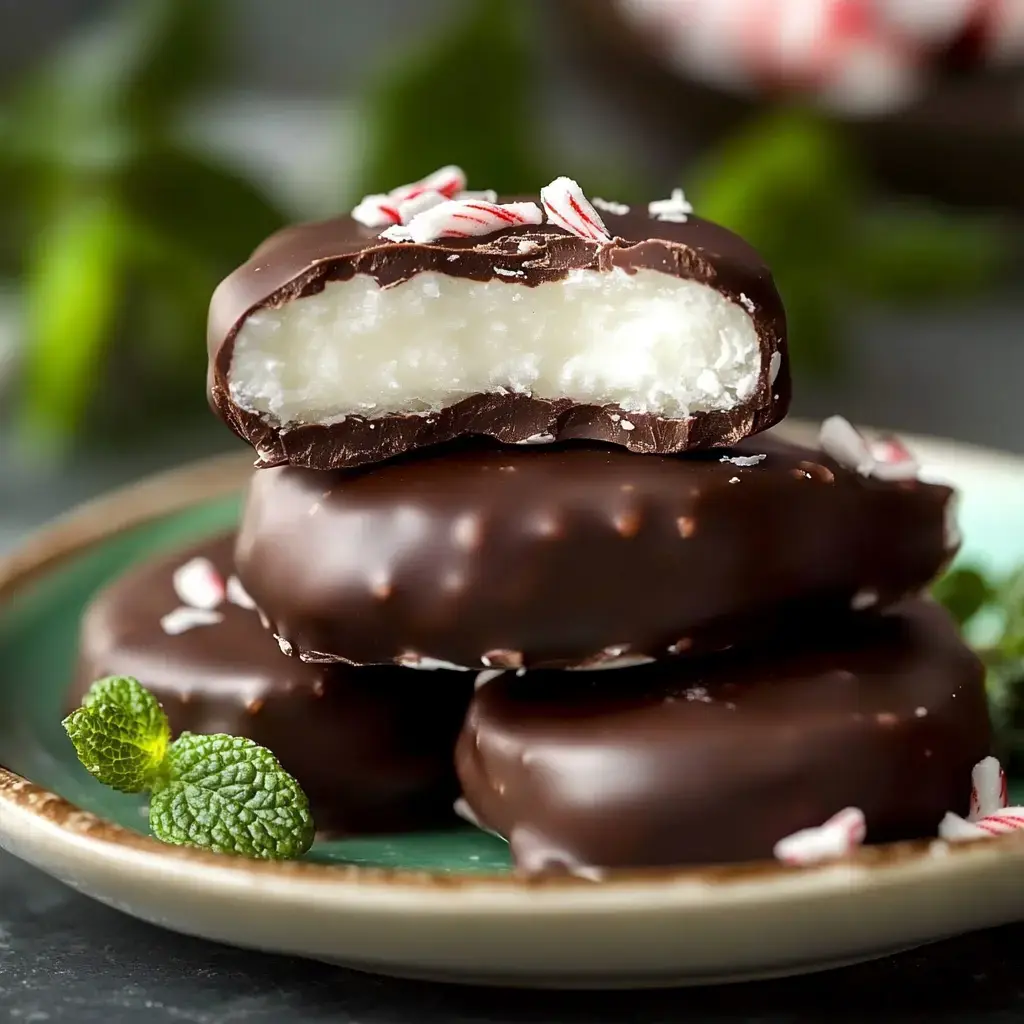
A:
(444, 906)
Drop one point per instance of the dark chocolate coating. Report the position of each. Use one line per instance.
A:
(570, 555)
(299, 261)
(716, 760)
(372, 748)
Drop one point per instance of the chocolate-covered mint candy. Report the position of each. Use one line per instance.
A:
(335, 345)
(580, 555)
(372, 748)
(702, 761)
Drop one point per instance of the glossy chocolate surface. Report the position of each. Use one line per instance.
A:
(716, 760)
(550, 556)
(371, 747)
(300, 260)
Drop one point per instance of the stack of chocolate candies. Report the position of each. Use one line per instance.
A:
(522, 439)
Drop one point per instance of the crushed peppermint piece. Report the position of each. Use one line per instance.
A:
(864, 599)
(377, 211)
(988, 789)
(610, 206)
(841, 439)
(394, 207)
(893, 460)
(198, 584)
(286, 647)
(454, 256)
(237, 594)
(773, 367)
(989, 814)
(743, 460)
(884, 460)
(396, 233)
(409, 208)
(181, 620)
(509, 273)
(747, 303)
(567, 207)
(448, 180)
(839, 836)
(1009, 819)
(537, 439)
(527, 245)
(466, 218)
(734, 480)
(627, 425)
(675, 209)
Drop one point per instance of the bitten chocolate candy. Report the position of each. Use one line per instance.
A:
(372, 748)
(333, 347)
(480, 556)
(718, 759)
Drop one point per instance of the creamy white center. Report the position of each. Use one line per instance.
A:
(647, 342)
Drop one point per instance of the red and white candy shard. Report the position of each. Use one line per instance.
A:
(989, 814)
(201, 590)
(396, 206)
(885, 460)
(1010, 819)
(377, 211)
(466, 218)
(567, 207)
(198, 584)
(839, 836)
(410, 208)
(181, 620)
(448, 181)
(988, 789)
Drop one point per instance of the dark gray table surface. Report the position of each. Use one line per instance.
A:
(64, 958)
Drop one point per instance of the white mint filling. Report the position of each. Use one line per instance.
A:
(647, 342)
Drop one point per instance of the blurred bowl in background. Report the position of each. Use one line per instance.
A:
(953, 133)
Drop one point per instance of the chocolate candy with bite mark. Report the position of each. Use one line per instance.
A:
(333, 347)
(715, 760)
(372, 748)
(580, 555)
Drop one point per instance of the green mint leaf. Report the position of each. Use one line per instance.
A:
(909, 254)
(132, 697)
(230, 795)
(121, 748)
(963, 592)
(72, 297)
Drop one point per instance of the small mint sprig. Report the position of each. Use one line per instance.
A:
(218, 792)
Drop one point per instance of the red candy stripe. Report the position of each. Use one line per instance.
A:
(466, 218)
(567, 206)
(384, 209)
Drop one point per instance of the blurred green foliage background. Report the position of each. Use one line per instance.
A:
(114, 230)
